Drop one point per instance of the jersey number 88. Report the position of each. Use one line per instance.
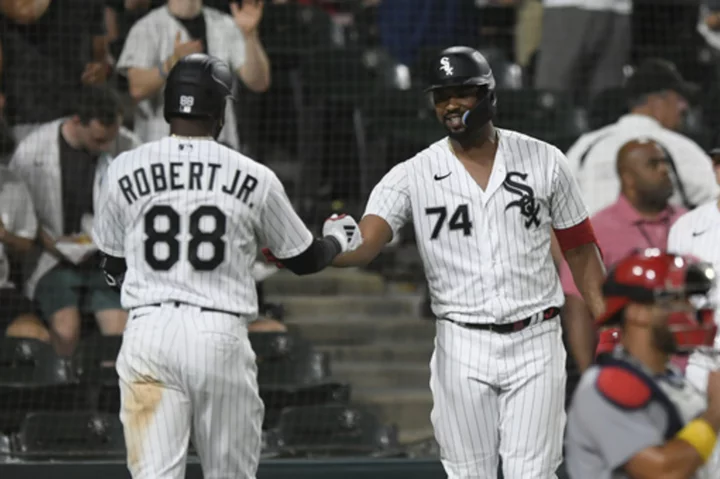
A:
(197, 237)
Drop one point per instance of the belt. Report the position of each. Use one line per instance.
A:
(511, 327)
(180, 303)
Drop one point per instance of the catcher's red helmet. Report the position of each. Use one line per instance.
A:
(652, 276)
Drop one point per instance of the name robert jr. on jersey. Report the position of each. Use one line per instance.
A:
(192, 176)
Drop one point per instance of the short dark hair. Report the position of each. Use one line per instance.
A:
(99, 103)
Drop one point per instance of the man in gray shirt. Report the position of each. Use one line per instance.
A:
(632, 415)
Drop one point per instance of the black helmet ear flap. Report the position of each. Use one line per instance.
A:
(484, 111)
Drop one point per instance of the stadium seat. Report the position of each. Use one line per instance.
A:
(33, 378)
(606, 107)
(95, 357)
(291, 372)
(549, 116)
(301, 379)
(275, 346)
(76, 435)
(333, 431)
(29, 360)
(94, 365)
(4, 448)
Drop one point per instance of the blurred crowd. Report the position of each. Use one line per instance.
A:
(81, 82)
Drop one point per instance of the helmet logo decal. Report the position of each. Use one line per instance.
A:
(186, 103)
(445, 66)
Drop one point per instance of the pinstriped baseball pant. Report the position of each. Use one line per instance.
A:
(499, 395)
(185, 371)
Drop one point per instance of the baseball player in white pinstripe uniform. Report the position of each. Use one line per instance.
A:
(484, 203)
(697, 233)
(177, 223)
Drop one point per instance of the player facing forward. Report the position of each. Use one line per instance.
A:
(178, 224)
(484, 202)
(633, 415)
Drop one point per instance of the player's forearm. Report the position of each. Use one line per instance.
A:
(145, 83)
(314, 259)
(675, 460)
(581, 335)
(16, 244)
(47, 242)
(255, 72)
(376, 233)
(680, 457)
(588, 272)
(360, 257)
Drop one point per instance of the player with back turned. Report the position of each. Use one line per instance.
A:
(633, 414)
(179, 224)
(484, 203)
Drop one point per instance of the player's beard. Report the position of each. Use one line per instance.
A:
(664, 339)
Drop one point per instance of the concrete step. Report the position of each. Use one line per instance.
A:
(330, 331)
(344, 305)
(332, 281)
(380, 374)
(416, 351)
(408, 408)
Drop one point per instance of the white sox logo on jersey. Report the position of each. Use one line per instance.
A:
(445, 66)
(526, 203)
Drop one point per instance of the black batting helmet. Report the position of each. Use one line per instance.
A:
(198, 86)
(465, 66)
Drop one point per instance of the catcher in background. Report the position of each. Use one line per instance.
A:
(633, 415)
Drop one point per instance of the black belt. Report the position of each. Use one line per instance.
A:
(511, 327)
(180, 303)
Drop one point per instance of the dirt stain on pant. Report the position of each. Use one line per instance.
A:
(140, 402)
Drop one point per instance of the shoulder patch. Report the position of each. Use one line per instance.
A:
(623, 388)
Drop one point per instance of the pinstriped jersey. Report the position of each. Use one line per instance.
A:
(187, 215)
(697, 233)
(486, 254)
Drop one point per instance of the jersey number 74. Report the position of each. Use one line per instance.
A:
(460, 220)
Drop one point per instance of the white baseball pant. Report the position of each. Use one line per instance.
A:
(499, 395)
(181, 370)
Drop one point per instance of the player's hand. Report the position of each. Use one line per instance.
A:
(183, 49)
(270, 258)
(346, 230)
(95, 73)
(247, 17)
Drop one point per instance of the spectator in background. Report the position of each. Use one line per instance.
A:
(658, 97)
(640, 218)
(528, 31)
(584, 42)
(709, 25)
(121, 15)
(409, 26)
(18, 229)
(63, 163)
(49, 50)
(166, 34)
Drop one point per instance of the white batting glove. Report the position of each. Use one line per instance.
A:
(345, 229)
